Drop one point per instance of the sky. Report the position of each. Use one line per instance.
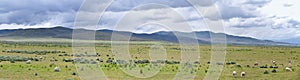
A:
(262, 19)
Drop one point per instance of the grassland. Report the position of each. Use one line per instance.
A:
(243, 56)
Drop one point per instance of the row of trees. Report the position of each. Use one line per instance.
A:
(14, 58)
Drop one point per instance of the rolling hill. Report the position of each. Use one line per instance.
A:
(203, 37)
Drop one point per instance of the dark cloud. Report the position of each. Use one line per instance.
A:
(272, 22)
(289, 23)
(32, 12)
(63, 12)
(241, 8)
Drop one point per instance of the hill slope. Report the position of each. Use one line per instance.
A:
(203, 37)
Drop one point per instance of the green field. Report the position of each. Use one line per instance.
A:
(14, 55)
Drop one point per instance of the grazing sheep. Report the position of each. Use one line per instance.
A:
(243, 74)
(41, 57)
(288, 69)
(28, 61)
(56, 69)
(274, 62)
(234, 74)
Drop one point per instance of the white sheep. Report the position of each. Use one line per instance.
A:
(243, 74)
(56, 69)
(41, 57)
(288, 69)
(28, 61)
(234, 73)
(274, 62)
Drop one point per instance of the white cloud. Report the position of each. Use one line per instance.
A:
(177, 17)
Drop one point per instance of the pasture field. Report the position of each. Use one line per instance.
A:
(45, 56)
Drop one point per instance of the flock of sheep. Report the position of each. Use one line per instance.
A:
(56, 69)
(243, 74)
(234, 73)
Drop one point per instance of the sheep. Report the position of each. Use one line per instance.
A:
(41, 57)
(274, 62)
(243, 74)
(28, 61)
(56, 69)
(288, 69)
(234, 74)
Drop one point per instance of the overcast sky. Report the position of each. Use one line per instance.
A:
(263, 19)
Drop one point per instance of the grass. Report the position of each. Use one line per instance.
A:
(242, 55)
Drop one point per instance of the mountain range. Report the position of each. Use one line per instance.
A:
(203, 37)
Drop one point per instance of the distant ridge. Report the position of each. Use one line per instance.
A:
(203, 37)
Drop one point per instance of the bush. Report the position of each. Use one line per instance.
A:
(263, 66)
(248, 66)
(238, 65)
(12, 61)
(228, 63)
(274, 71)
(233, 62)
(219, 63)
(141, 71)
(196, 62)
(266, 72)
(74, 73)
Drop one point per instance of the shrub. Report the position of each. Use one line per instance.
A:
(266, 72)
(141, 71)
(274, 71)
(196, 62)
(248, 66)
(233, 62)
(238, 65)
(208, 62)
(74, 73)
(228, 63)
(12, 61)
(219, 63)
(263, 66)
